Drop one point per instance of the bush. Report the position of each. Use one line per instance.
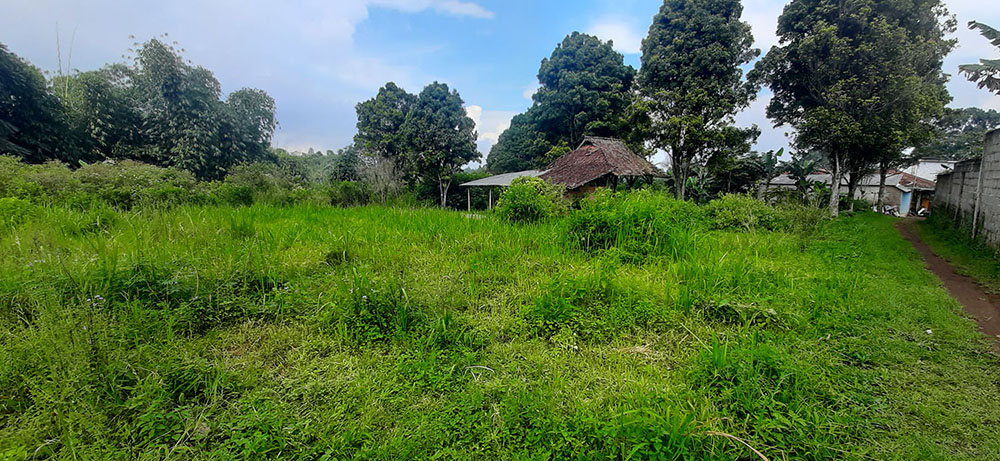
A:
(231, 194)
(530, 200)
(37, 183)
(801, 218)
(123, 184)
(14, 211)
(635, 224)
(348, 194)
(593, 308)
(744, 212)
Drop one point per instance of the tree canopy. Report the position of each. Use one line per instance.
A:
(380, 121)
(156, 109)
(691, 83)
(585, 90)
(31, 119)
(959, 134)
(439, 135)
(858, 80)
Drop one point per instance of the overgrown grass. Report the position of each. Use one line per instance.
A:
(972, 257)
(312, 332)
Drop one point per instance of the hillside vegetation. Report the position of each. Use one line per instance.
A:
(308, 332)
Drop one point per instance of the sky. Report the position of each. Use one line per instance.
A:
(319, 58)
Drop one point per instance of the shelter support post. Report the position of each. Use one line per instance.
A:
(468, 198)
(491, 199)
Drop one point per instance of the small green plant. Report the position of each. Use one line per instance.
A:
(349, 193)
(530, 199)
(635, 225)
(375, 311)
(744, 212)
(14, 211)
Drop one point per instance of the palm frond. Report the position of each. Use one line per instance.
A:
(990, 33)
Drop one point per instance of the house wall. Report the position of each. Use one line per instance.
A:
(956, 192)
(929, 169)
(893, 196)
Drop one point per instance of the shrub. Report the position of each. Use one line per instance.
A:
(123, 184)
(744, 212)
(594, 308)
(232, 194)
(801, 218)
(635, 224)
(530, 200)
(37, 183)
(13, 211)
(348, 194)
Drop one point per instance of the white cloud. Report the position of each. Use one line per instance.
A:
(626, 36)
(530, 90)
(762, 15)
(489, 125)
(465, 9)
(452, 7)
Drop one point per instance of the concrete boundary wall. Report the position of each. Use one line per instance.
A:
(971, 200)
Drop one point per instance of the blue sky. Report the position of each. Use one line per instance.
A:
(318, 58)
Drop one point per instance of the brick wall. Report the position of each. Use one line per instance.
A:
(956, 192)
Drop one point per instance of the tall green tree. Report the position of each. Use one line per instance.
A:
(857, 78)
(987, 73)
(691, 82)
(32, 126)
(440, 136)
(585, 89)
(380, 122)
(959, 134)
(101, 114)
(522, 146)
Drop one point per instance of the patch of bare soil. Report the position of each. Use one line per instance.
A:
(976, 301)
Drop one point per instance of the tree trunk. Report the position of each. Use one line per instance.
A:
(881, 186)
(443, 188)
(852, 187)
(680, 180)
(835, 187)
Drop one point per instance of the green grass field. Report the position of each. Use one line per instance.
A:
(324, 333)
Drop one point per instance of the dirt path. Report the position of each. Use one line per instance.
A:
(977, 303)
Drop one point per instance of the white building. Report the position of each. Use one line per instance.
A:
(929, 168)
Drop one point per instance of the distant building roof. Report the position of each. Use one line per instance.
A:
(502, 180)
(595, 158)
(895, 178)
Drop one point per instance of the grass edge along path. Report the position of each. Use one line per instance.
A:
(971, 258)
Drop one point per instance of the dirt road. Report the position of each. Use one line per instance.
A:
(977, 303)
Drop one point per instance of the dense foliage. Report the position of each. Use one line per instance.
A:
(158, 109)
(635, 225)
(959, 134)
(859, 81)
(584, 90)
(530, 199)
(428, 137)
(31, 119)
(440, 137)
(690, 83)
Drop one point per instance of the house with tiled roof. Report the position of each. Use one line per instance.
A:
(907, 192)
